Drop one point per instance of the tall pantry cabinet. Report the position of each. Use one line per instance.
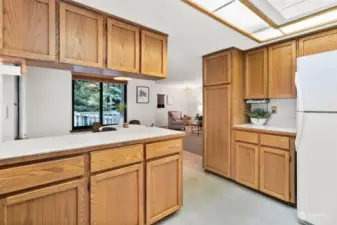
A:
(223, 94)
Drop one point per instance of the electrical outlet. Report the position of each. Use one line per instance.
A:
(274, 109)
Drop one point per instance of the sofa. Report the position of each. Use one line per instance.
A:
(177, 120)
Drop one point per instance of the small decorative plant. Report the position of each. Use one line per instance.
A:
(198, 118)
(258, 116)
(120, 108)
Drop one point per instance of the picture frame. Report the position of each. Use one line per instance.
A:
(169, 100)
(143, 95)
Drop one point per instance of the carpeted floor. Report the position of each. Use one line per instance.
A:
(193, 143)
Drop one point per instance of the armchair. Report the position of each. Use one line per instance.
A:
(177, 120)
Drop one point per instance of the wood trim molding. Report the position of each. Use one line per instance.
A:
(21, 62)
(206, 12)
(264, 17)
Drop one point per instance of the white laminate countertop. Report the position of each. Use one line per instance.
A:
(35, 146)
(268, 128)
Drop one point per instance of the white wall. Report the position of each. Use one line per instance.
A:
(179, 102)
(194, 101)
(145, 113)
(48, 102)
(286, 112)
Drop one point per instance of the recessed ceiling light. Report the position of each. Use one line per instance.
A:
(312, 22)
(267, 34)
(122, 78)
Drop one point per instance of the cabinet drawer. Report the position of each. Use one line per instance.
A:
(163, 148)
(275, 141)
(111, 158)
(247, 137)
(22, 177)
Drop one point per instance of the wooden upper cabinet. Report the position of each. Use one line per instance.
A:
(256, 74)
(117, 196)
(217, 129)
(28, 29)
(153, 54)
(274, 173)
(317, 43)
(163, 188)
(57, 204)
(282, 69)
(247, 165)
(217, 69)
(123, 47)
(81, 36)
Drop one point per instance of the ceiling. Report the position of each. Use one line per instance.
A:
(191, 33)
(291, 9)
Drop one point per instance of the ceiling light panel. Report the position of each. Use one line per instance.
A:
(211, 5)
(267, 34)
(315, 21)
(295, 9)
(242, 17)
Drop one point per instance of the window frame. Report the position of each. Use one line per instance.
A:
(100, 107)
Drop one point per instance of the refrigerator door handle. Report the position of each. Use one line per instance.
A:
(300, 128)
(299, 92)
(300, 115)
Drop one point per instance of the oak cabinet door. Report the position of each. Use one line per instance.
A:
(153, 54)
(81, 36)
(54, 205)
(163, 188)
(217, 69)
(274, 173)
(123, 47)
(117, 197)
(282, 69)
(256, 74)
(247, 165)
(317, 43)
(217, 129)
(28, 29)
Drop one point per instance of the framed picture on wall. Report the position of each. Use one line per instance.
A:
(143, 94)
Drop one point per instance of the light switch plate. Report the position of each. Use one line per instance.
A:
(274, 109)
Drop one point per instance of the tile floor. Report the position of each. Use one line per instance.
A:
(210, 200)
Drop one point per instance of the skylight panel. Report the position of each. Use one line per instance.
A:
(211, 5)
(267, 34)
(311, 22)
(242, 17)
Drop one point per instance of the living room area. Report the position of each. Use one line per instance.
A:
(179, 107)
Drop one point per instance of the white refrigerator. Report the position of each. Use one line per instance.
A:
(316, 140)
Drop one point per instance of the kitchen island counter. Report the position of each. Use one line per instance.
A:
(132, 174)
(39, 148)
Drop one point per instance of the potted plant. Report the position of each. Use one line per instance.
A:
(258, 116)
(121, 109)
(198, 119)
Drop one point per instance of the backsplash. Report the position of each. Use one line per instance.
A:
(286, 112)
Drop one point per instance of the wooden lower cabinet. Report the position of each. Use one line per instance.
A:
(264, 162)
(117, 197)
(54, 205)
(274, 173)
(247, 161)
(163, 185)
